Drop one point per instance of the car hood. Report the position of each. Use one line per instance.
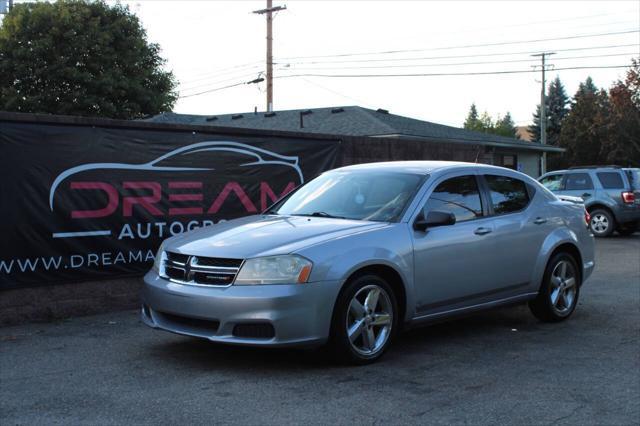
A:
(256, 236)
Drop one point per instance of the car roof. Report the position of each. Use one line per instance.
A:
(584, 170)
(417, 167)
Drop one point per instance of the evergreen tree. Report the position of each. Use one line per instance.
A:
(557, 103)
(557, 109)
(473, 122)
(586, 125)
(505, 126)
(486, 123)
(534, 129)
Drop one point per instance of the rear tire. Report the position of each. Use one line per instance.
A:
(560, 289)
(365, 320)
(601, 223)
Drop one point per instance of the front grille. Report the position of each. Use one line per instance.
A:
(201, 270)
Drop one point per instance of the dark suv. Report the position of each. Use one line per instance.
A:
(611, 195)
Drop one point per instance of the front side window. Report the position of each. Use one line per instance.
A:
(359, 195)
(578, 181)
(610, 180)
(508, 195)
(459, 195)
(553, 182)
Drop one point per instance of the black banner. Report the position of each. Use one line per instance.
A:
(82, 202)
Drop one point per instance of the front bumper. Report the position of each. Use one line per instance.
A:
(300, 314)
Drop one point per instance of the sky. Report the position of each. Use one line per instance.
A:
(213, 44)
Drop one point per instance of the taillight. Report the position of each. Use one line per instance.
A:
(628, 197)
(587, 217)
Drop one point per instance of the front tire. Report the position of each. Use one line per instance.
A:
(601, 223)
(365, 320)
(560, 289)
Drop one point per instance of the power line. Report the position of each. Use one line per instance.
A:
(526, 52)
(454, 63)
(209, 84)
(211, 90)
(407, 75)
(184, 86)
(217, 70)
(216, 74)
(502, 43)
(445, 74)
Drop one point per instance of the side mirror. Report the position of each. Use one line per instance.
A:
(434, 218)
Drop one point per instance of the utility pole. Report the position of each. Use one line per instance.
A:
(269, 12)
(543, 109)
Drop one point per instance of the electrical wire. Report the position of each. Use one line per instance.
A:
(406, 75)
(479, 55)
(454, 63)
(446, 74)
(211, 90)
(200, 86)
(502, 43)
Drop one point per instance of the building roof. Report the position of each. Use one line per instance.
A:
(350, 121)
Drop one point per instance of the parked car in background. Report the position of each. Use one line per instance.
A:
(611, 195)
(362, 251)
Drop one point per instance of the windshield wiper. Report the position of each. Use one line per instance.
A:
(321, 214)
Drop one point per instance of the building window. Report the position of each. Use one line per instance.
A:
(509, 161)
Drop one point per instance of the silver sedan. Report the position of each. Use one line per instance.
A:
(361, 252)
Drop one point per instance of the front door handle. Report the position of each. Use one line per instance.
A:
(586, 195)
(540, 220)
(482, 231)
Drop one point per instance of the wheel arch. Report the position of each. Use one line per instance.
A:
(602, 206)
(391, 276)
(560, 239)
(573, 251)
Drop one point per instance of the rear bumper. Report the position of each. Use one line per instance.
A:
(300, 314)
(628, 215)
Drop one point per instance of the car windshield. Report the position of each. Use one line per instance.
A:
(359, 195)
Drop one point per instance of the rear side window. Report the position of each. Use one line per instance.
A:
(610, 180)
(634, 177)
(578, 181)
(508, 195)
(553, 182)
(459, 195)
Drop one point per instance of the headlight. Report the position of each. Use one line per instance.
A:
(158, 261)
(289, 269)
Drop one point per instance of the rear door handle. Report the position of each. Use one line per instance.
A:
(482, 231)
(540, 221)
(586, 195)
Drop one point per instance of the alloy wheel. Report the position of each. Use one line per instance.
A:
(369, 320)
(599, 223)
(563, 287)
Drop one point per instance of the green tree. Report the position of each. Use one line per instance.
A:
(486, 123)
(622, 145)
(505, 126)
(473, 121)
(585, 127)
(81, 58)
(557, 103)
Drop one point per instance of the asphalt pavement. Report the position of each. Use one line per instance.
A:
(498, 367)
